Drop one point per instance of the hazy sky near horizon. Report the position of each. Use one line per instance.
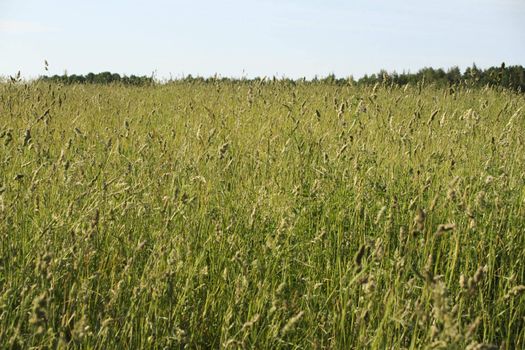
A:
(292, 38)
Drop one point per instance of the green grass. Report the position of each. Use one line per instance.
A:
(261, 215)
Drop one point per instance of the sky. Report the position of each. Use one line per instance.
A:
(248, 38)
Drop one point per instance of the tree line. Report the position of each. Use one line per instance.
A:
(99, 78)
(510, 77)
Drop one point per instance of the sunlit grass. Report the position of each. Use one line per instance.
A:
(261, 215)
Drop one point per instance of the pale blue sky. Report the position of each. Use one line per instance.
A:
(257, 37)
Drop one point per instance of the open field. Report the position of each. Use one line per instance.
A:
(261, 215)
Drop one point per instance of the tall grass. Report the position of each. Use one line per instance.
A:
(262, 215)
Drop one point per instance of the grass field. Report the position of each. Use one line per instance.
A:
(261, 215)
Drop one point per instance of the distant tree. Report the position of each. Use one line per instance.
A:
(454, 75)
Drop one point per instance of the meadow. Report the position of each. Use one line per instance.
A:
(262, 214)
